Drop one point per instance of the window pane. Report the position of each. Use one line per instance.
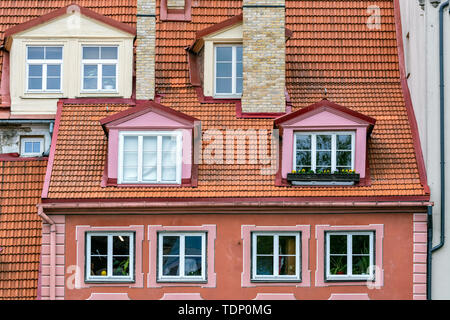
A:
(171, 245)
(149, 159)
(130, 159)
(35, 70)
(121, 266)
(54, 53)
(53, 83)
(171, 266)
(149, 174)
(121, 245)
(264, 265)
(338, 265)
(169, 143)
(343, 158)
(193, 245)
(361, 244)
(303, 160)
(360, 265)
(91, 53)
(35, 84)
(224, 69)
(239, 69)
(90, 70)
(130, 144)
(36, 147)
(90, 83)
(223, 85)
(54, 70)
(109, 70)
(287, 266)
(287, 244)
(99, 245)
(323, 142)
(264, 245)
(130, 174)
(344, 142)
(239, 53)
(108, 83)
(303, 142)
(99, 266)
(224, 53)
(35, 53)
(323, 160)
(338, 244)
(239, 85)
(193, 266)
(109, 53)
(168, 173)
(28, 147)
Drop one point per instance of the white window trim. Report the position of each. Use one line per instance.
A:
(99, 63)
(276, 276)
(181, 277)
(233, 94)
(44, 63)
(140, 135)
(349, 275)
(313, 147)
(23, 140)
(109, 277)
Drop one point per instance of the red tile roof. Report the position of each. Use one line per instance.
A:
(20, 227)
(330, 47)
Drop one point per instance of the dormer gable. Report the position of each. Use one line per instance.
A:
(148, 127)
(324, 138)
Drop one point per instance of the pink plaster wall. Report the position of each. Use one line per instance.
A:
(420, 256)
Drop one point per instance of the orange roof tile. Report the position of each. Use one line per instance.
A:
(20, 227)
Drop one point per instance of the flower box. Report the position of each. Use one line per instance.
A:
(323, 178)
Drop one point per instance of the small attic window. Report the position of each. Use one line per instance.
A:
(176, 10)
(228, 70)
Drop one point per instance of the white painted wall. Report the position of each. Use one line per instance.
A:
(422, 57)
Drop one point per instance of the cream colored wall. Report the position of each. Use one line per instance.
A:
(71, 32)
(231, 35)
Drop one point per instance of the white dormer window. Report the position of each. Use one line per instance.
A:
(150, 157)
(44, 68)
(228, 70)
(99, 68)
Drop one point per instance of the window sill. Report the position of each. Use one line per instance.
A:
(183, 281)
(275, 281)
(43, 95)
(315, 179)
(234, 97)
(109, 281)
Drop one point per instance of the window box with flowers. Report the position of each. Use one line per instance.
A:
(309, 177)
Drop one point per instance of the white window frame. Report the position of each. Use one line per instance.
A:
(100, 62)
(349, 276)
(181, 277)
(23, 140)
(110, 277)
(314, 146)
(232, 94)
(44, 62)
(276, 254)
(140, 135)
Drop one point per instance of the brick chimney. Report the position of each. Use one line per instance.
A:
(264, 53)
(145, 51)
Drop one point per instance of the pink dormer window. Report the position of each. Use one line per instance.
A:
(326, 139)
(150, 145)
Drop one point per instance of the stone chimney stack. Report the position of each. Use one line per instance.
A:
(264, 56)
(145, 51)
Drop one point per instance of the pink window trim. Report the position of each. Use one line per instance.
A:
(275, 296)
(108, 296)
(349, 296)
(181, 296)
(81, 255)
(176, 14)
(246, 231)
(152, 276)
(320, 265)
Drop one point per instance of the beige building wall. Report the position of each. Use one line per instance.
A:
(71, 32)
(421, 43)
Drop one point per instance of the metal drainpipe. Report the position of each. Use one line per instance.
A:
(442, 121)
